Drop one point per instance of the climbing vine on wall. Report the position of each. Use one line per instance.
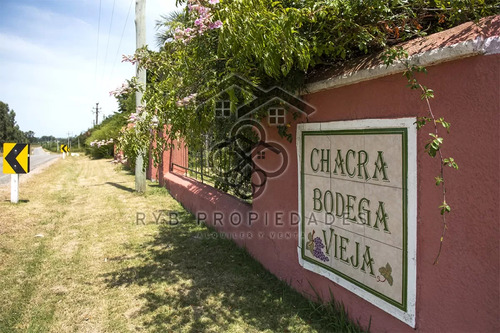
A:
(433, 147)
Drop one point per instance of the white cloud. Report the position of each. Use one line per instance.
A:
(15, 48)
(48, 71)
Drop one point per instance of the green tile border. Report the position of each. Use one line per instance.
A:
(380, 131)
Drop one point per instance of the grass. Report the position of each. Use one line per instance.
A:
(73, 259)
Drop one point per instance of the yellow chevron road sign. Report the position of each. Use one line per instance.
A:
(16, 158)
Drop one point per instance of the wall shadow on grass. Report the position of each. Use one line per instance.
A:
(121, 187)
(199, 282)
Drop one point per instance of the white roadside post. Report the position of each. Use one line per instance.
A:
(16, 160)
(14, 188)
(64, 151)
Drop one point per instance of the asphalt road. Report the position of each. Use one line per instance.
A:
(37, 158)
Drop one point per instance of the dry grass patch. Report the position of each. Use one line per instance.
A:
(72, 259)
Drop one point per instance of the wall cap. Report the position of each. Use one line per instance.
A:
(466, 40)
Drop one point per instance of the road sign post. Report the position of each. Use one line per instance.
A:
(16, 160)
(64, 150)
(14, 188)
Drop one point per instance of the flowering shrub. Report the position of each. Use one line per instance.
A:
(101, 139)
(123, 89)
(101, 143)
(186, 100)
(129, 86)
(120, 159)
(202, 23)
(127, 145)
(142, 125)
(272, 43)
(101, 149)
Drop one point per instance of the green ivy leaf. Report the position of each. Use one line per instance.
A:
(445, 208)
(433, 145)
(427, 93)
(450, 162)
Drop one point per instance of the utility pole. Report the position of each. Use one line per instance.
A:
(140, 38)
(70, 134)
(96, 111)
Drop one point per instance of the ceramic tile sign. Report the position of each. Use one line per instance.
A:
(357, 203)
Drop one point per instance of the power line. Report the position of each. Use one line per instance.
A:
(97, 46)
(109, 34)
(121, 38)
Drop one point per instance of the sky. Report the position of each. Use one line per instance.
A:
(57, 59)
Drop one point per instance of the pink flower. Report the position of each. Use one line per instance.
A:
(217, 24)
(203, 11)
(132, 59)
(125, 88)
(203, 28)
(154, 121)
(186, 100)
(201, 24)
(132, 118)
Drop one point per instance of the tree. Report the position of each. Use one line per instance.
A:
(30, 136)
(100, 139)
(9, 129)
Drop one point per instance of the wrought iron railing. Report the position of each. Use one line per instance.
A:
(221, 166)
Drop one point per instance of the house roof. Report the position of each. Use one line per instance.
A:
(262, 97)
(265, 97)
(465, 40)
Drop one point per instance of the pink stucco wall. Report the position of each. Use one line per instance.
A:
(175, 152)
(461, 293)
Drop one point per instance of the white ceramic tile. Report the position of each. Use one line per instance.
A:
(385, 244)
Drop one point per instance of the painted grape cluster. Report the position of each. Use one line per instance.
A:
(318, 249)
(316, 246)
